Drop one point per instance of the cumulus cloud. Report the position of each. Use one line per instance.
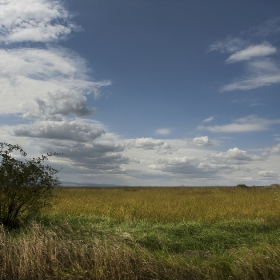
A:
(163, 131)
(201, 141)
(91, 158)
(49, 85)
(34, 21)
(247, 124)
(58, 104)
(235, 155)
(185, 165)
(37, 73)
(28, 75)
(149, 143)
(229, 161)
(146, 143)
(253, 51)
(166, 148)
(268, 173)
(213, 165)
(75, 130)
(272, 150)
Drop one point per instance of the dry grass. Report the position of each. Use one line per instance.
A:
(171, 204)
(228, 233)
(57, 252)
(42, 253)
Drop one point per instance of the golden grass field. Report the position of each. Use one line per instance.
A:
(162, 204)
(133, 233)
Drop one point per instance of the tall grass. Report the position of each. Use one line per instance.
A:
(171, 204)
(105, 249)
(43, 253)
(149, 233)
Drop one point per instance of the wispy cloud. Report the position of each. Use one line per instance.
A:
(261, 70)
(229, 45)
(253, 82)
(269, 27)
(163, 131)
(209, 119)
(34, 21)
(247, 124)
(254, 51)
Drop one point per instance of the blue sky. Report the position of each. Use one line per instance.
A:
(144, 92)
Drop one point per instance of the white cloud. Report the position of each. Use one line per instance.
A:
(272, 150)
(260, 72)
(75, 130)
(49, 84)
(253, 82)
(250, 52)
(166, 148)
(213, 165)
(236, 155)
(31, 77)
(247, 124)
(267, 28)
(34, 21)
(184, 165)
(268, 173)
(201, 141)
(149, 144)
(58, 104)
(228, 45)
(88, 159)
(163, 131)
(146, 143)
(209, 119)
(27, 75)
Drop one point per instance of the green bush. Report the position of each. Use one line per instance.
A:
(26, 185)
(242, 186)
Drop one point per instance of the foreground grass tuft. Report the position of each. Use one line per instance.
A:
(53, 253)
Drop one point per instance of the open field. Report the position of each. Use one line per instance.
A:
(149, 233)
(171, 204)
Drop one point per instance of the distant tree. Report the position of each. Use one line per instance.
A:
(242, 186)
(26, 185)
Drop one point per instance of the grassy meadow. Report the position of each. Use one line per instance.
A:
(149, 233)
